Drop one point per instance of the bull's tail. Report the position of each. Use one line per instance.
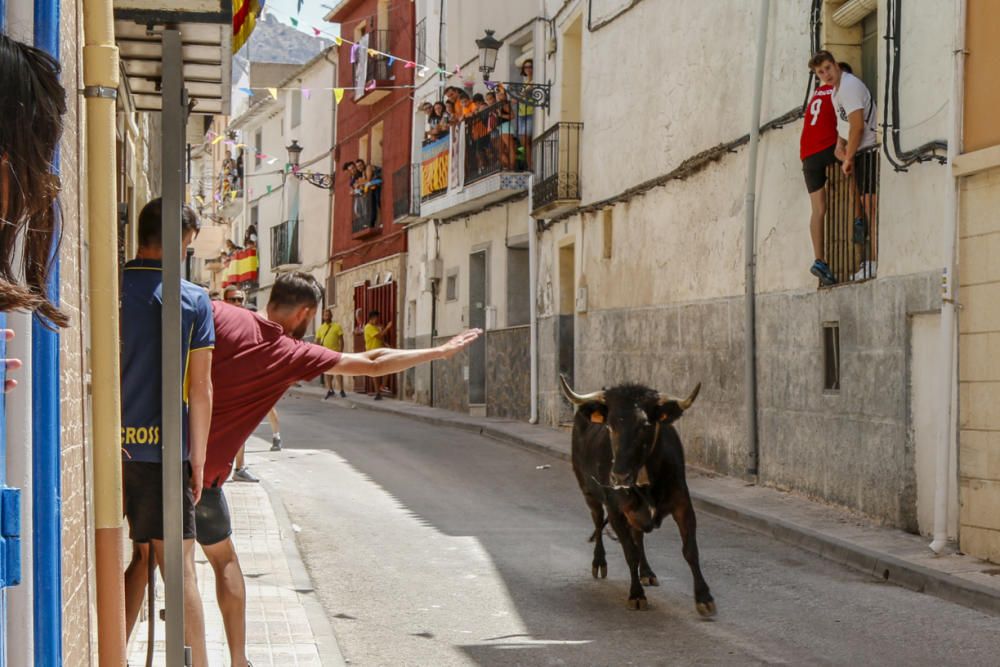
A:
(597, 531)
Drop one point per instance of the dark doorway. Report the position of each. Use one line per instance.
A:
(477, 319)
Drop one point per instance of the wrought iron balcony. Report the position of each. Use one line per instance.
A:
(366, 212)
(285, 244)
(495, 142)
(371, 69)
(557, 168)
(850, 231)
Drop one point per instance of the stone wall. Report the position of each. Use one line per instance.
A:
(508, 373)
(851, 447)
(451, 389)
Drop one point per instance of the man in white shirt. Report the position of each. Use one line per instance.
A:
(856, 132)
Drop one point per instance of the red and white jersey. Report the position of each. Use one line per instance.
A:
(819, 131)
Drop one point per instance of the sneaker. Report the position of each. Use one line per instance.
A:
(860, 230)
(276, 443)
(329, 393)
(867, 271)
(244, 475)
(822, 271)
(343, 394)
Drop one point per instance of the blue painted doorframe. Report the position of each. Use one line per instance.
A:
(46, 423)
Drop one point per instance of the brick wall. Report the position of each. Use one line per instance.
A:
(979, 366)
(79, 615)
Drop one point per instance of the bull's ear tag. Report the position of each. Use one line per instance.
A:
(596, 417)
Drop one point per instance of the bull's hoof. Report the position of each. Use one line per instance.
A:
(706, 609)
(651, 580)
(600, 571)
(638, 604)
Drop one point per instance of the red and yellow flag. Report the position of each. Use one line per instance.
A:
(245, 13)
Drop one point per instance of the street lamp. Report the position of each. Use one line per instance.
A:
(488, 48)
(294, 151)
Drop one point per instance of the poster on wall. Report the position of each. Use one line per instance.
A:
(434, 167)
(360, 67)
(456, 158)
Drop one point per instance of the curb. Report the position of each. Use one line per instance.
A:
(878, 565)
(326, 640)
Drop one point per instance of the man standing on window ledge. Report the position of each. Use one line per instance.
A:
(856, 132)
(141, 373)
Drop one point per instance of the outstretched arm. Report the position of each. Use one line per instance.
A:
(386, 361)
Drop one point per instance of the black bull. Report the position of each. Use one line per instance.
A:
(629, 462)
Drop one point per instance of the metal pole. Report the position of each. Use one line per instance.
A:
(173, 116)
(749, 240)
(47, 429)
(533, 295)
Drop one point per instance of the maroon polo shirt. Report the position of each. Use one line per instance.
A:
(254, 363)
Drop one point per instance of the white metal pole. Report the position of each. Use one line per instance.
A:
(533, 295)
(947, 379)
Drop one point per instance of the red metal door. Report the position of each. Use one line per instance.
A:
(383, 299)
(360, 314)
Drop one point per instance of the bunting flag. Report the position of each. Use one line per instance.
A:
(338, 93)
(274, 92)
(271, 161)
(306, 93)
(409, 65)
(295, 22)
(371, 85)
(337, 40)
(316, 32)
(248, 91)
(217, 140)
(245, 13)
(392, 60)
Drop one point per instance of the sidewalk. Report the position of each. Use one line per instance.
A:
(840, 536)
(286, 626)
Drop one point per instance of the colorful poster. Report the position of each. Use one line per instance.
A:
(434, 167)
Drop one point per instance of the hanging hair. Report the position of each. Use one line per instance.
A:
(32, 107)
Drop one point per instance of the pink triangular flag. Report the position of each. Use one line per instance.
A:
(410, 65)
(316, 31)
(306, 93)
(371, 85)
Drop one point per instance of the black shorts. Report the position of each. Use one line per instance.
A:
(212, 517)
(866, 171)
(814, 168)
(143, 485)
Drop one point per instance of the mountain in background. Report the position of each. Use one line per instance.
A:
(275, 42)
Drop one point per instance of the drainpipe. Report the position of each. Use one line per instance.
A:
(750, 242)
(100, 76)
(46, 426)
(533, 291)
(948, 287)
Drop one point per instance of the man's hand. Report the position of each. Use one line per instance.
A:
(197, 481)
(459, 343)
(847, 167)
(10, 364)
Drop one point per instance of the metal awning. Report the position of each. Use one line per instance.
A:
(206, 38)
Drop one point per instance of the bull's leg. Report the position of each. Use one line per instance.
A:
(646, 575)
(599, 567)
(684, 516)
(636, 596)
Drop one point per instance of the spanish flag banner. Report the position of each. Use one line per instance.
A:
(245, 13)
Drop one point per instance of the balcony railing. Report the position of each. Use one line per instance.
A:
(494, 143)
(285, 244)
(371, 68)
(406, 192)
(366, 211)
(557, 165)
(851, 225)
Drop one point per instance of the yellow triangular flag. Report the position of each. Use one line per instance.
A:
(274, 92)
(372, 53)
(339, 41)
(218, 139)
(339, 94)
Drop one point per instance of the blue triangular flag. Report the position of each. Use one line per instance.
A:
(247, 91)
(392, 59)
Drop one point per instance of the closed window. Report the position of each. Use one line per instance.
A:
(258, 145)
(296, 108)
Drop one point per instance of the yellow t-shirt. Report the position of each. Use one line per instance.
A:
(331, 336)
(373, 337)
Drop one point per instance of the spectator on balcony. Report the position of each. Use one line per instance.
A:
(351, 168)
(449, 107)
(250, 237)
(856, 125)
(817, 148)
(464, 106)
(526, 114)
(440, 120)
(507, 147)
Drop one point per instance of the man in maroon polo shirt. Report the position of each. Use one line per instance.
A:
(255, 361)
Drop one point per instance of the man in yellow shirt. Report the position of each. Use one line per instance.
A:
(331, 336)
(374, 339)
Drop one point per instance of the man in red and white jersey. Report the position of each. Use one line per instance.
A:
(817, 148)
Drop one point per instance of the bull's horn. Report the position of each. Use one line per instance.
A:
(686, 403)
(579, 399)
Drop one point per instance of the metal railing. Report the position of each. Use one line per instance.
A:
(378, 66)
(285, 243)
(496, 139)
(406, 182)
(557, 164)
(366, 209)
(850, 236)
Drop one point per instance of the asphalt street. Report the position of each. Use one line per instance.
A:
(430, 546)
